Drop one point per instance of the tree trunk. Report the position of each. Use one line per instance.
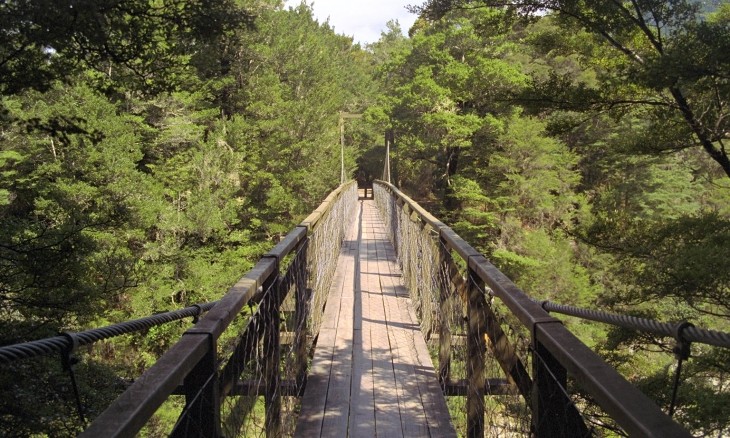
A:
(452, 166)
(718, 155)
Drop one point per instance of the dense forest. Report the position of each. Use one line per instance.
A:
(151, 151)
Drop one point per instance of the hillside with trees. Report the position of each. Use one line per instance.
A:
(582, 149)
(152, 152)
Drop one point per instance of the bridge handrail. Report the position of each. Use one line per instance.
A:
(133, 408)
(69, 341)
(628, 406)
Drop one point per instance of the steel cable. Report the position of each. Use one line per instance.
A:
(689, 334)
(60, 343)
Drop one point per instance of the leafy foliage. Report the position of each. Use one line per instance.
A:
(154, 154)
(587, 174)
(147, 43)
(150, 152)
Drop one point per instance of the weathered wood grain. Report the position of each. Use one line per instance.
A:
(372, 374)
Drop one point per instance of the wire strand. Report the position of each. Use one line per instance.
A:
(57, 344)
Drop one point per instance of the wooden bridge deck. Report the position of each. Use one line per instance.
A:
(371, 374)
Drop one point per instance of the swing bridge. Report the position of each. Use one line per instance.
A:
(373, 318)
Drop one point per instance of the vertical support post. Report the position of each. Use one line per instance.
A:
(272, 396)
(201, 396)
(444, 330)
(300, 318)
(342, 149)
(476, 348)
(386, 168)
(553, 413)
(392, 170)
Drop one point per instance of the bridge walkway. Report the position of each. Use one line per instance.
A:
(371, 374)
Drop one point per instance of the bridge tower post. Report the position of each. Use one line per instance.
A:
(386, 165)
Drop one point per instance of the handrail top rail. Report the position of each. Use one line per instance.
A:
(311, 221)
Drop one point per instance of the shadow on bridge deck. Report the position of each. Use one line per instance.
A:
(371, 373)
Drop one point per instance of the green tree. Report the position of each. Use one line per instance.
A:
(153, 157)
(503, 183)
(658, 58)
(133, 40)
(72, 207)
(439, 102)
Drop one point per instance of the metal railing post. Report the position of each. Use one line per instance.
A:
(201, 416)
(476, 348)
(270, 303)
(301, 316)
(272, 359)
(553, 411)
(444, 329)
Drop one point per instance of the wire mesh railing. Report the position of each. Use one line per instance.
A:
(242, 369)
(507, 367)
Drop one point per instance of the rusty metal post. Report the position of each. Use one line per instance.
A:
(476, 347)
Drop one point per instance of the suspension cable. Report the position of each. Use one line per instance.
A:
(58, 344)
(689, 333)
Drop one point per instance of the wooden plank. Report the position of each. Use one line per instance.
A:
(436, 413)
(315, 396)
(400, 330)
(434, 403)
(337, 409)
(310, 418)
(362, 404)
(387, 415)
(379, 379)
(412, 355)
(387, 412)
